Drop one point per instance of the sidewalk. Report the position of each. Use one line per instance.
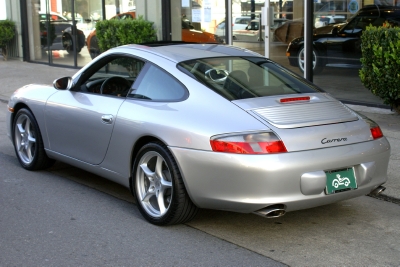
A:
(15, 74)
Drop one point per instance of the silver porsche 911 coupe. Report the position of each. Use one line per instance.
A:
(188, 126)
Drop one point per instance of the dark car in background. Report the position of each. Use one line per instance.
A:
(56, 33)
(341, 47)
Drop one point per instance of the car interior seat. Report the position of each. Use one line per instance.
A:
(236, 84)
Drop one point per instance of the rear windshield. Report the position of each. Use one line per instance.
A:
(240, 78)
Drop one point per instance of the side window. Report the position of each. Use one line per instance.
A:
(357, 25)
(156, 84)
(111, 76)
(126, 16)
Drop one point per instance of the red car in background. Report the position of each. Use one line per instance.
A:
(189, 34)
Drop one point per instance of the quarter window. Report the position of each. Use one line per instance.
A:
(157, 85)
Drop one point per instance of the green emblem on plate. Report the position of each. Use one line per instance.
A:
(337, 181)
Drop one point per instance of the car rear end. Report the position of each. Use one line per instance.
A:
(309, 149)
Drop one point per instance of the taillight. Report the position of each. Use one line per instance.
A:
(248, 143)
(376, 132)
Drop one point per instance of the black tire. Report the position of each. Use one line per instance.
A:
(94, 53)
(94, 50)
(318, 65)
(28, 143)
(163, 185)
(68, 44)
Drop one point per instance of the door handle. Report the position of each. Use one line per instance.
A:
(107, 118)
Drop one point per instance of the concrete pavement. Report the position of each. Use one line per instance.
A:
(15, 74)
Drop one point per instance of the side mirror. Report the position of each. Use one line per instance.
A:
(335, 31)
(64, 83)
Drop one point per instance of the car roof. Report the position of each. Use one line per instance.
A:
(182, 52)
(378, 7)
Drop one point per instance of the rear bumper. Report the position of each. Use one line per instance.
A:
(246, 183)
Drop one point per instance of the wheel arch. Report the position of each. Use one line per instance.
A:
(42, 160)
(18, 107)
(135, 150)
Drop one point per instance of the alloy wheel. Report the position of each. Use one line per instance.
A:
(25, 139)
(154, 184)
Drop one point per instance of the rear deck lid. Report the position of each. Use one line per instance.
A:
(308, 121)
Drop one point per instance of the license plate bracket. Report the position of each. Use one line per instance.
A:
(340, 180)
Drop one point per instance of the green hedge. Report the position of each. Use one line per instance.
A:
(7, 32)
(114, 32)
(380, 60)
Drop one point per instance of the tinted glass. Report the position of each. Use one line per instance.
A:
(240, 78)
(156, 84)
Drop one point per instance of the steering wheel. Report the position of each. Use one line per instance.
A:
(117, 80)
(217, 75)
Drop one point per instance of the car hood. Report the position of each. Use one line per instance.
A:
(321, 122)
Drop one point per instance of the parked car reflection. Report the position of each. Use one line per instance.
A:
(341, 47)
(56, 33)
(251, 32)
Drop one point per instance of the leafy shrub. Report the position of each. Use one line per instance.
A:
(114, 32)
(7, 32)
(380, 60)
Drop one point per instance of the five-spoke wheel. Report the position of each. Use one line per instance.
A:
(28, 143)
(158, 187)
(316, 64)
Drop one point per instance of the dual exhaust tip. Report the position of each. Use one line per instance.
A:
(278, 210)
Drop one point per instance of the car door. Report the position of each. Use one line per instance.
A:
(80, 121)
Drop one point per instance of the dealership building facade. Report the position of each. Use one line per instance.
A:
(54, 31)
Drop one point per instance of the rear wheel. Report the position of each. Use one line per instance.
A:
(158, 187)
(28, 142)
(317, 65)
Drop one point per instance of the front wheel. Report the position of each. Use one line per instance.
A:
(28, 142)
(68, 44)
(158, 187)
(317, 65)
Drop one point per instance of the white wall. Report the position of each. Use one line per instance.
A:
(151, 11)
(3, 8)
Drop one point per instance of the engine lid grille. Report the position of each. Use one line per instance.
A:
(306, 114)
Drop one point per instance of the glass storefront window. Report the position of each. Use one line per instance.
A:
(196, 21)
(338, 55)
(61, 32)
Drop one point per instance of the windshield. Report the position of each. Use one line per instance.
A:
(240, 78)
